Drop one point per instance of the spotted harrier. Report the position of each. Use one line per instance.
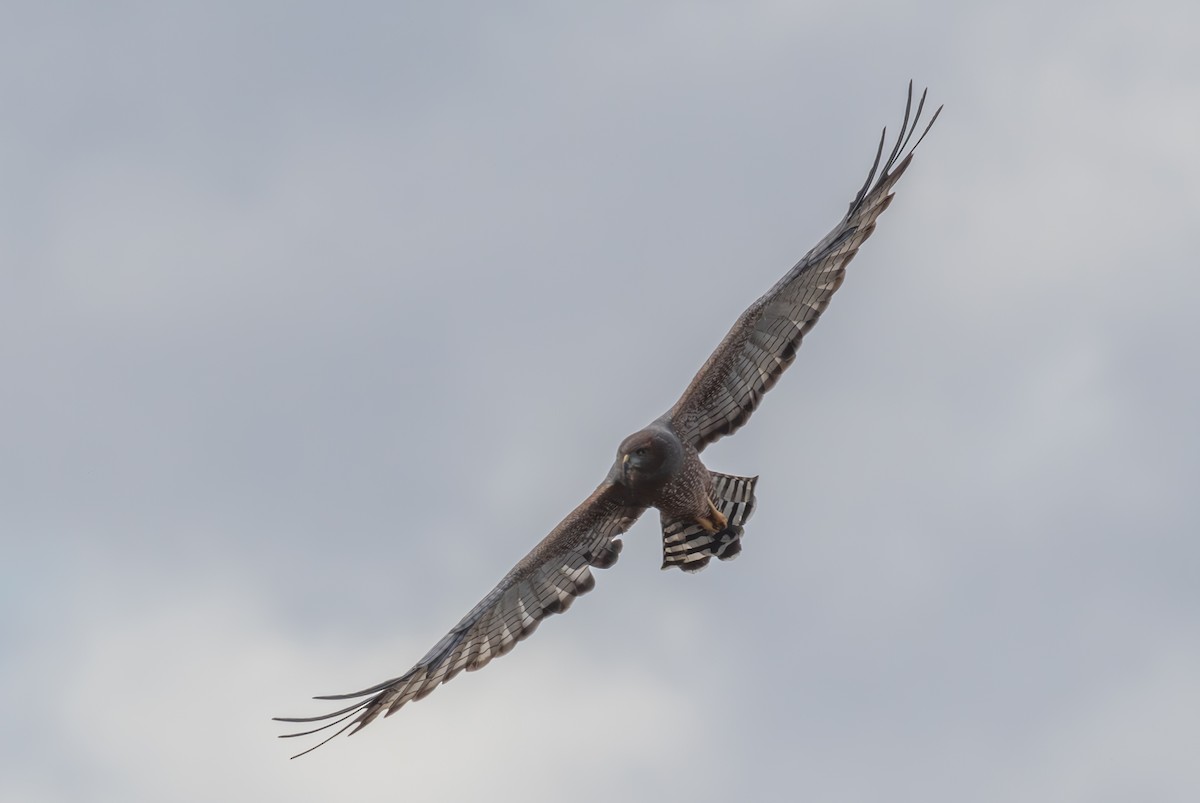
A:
(702, 512)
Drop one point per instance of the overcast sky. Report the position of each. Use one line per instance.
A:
(314, 318)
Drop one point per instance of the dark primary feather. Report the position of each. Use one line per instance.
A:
(763, 341)
(546, 581)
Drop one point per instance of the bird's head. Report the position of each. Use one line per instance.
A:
(648, 458)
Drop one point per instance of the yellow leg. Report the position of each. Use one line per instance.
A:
(715, 522)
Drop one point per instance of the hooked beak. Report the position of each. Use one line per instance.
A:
(625, 467)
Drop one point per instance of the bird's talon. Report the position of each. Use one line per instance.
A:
(716, 522)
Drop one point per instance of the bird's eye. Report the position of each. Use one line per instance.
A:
(640, 452)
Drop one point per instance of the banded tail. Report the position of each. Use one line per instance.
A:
(688, 546)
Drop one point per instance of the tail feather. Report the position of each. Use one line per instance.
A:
(687, 545)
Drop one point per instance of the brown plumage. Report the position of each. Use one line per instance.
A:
(702, 512)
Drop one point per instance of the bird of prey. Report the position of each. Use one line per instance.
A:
(702, 512)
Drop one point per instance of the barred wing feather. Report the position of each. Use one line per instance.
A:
(763, 341)
(545, 582)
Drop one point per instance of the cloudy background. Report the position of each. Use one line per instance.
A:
(314, 319)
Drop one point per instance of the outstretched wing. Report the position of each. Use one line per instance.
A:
(546, 581)
(764, 340)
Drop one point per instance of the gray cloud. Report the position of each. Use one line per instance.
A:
(314, 322)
